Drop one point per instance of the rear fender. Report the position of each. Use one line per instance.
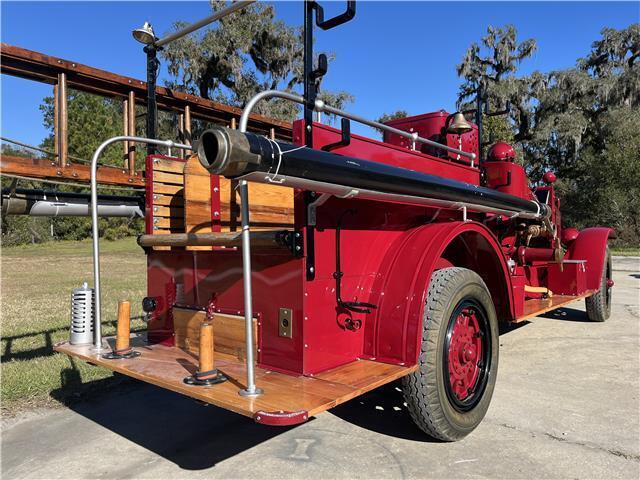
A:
(393, 332)
(591, 246)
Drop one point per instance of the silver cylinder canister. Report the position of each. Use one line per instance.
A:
(82, 311)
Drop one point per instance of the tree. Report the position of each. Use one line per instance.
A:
(246, 53)
(579, 122)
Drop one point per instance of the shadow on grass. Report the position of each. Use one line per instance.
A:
(184, 431)
(45, 350)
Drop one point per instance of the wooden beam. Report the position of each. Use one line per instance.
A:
(131, 120)
(271, 239)
(63, 121)
(46, 169)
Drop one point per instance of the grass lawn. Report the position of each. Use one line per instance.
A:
(36, 293)
(626, 251)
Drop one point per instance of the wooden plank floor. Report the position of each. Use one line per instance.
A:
(168, 366)
(538, 306)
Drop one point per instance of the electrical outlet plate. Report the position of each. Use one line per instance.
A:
(285, 323)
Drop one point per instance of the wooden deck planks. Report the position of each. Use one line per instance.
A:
(535, 307)
(167, 367)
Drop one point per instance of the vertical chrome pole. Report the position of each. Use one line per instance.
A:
(251, 389)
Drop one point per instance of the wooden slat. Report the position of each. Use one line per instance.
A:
(168, 178)
(167, 189)
(197, 199)
(270, 205)
(46, 169)
(228, 332)
(168, 200)
(166, 165)
(161, 211)
(174, 224)
(167, 367)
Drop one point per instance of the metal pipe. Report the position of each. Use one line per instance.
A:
(321, 107)
(251, 389)
(234, 155)
(205, 21)
(94, 218)
(35, 202)
(45, 208)
(152, 106)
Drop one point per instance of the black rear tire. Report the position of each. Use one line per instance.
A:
(433, 392)
(599, 304)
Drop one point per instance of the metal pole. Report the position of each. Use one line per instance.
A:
(251, 389)
(152, 107)
(309, 83)
(97, 323)
(243, 188)
(479, 104)
(205, 21)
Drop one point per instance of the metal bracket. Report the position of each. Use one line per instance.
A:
(345, 141)
(291, 240)
(312, 208)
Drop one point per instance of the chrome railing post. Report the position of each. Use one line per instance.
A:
(97, 323)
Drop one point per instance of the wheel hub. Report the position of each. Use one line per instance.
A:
(465, 353)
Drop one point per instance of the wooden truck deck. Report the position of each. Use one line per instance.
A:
(287, 399)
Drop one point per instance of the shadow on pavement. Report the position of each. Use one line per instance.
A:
(190, 434)
(567, 315)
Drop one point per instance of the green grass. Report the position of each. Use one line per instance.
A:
(626, 251)
(36, 289)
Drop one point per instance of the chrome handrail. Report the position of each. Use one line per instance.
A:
(97, 324)
(320, 106)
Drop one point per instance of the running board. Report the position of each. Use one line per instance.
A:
(287, 399)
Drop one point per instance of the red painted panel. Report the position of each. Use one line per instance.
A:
(394, 334)
(590, 246)
(431, 126)
(369, 149)
(277, 282)
(508, 177)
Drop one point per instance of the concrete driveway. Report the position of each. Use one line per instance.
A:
(566, 405)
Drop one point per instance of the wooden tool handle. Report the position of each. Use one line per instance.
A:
(124, 326)
(205, 360)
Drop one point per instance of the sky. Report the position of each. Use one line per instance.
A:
(393, 55)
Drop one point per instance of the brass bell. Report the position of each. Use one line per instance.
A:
(459, 125)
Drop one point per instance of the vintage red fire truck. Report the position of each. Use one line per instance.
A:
(287, 278)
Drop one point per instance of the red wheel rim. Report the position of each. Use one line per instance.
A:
(466, 355)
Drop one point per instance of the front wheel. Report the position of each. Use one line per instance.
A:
(599, 304)
(450, 392)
